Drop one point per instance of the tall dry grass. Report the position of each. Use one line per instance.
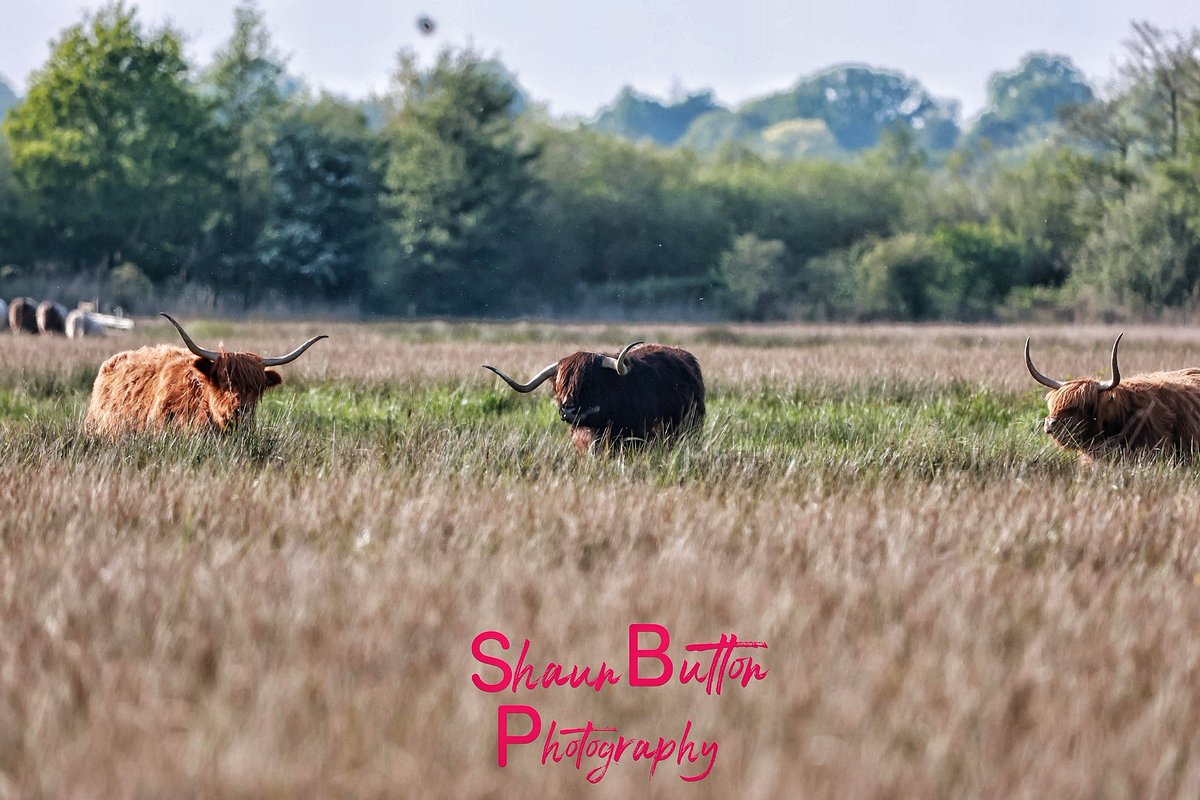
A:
(952, 608)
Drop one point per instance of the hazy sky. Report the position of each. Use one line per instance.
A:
(576, 59)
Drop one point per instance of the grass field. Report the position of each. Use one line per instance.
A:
(953, 607)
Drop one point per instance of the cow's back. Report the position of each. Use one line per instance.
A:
(679, 386)
(664, 390)
(148, 388)
(1157, 410)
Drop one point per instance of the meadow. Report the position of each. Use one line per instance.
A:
(953, 606)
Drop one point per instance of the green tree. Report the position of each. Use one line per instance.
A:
(993, 262)
(1049, 202)
(248, 84)
(1144, 255)
(12, 227)
(1165, 71)
(458, 186)
(713, 130)
(615, 214)
(635, 117)
(323, 210)
(115, 153)
(858, 104)
(1108, 124)
(812, 207)
(1031, 95)
(8, 98)
(754, 273)
(909, 277)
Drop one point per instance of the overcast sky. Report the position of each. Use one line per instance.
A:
(576, 60)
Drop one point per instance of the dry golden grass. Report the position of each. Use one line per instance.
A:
(953, 609)
(732, 356)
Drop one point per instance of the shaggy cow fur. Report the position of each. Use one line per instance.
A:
(1158, 411)
(184, 389)
(22, 315)
(1155, 412)
(169, 388)
(661, 395)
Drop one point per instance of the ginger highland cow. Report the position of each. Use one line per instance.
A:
(173, 388)
(1154, 412)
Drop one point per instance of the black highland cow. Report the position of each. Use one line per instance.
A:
(647, 391)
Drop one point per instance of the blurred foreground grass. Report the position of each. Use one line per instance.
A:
(953, 607)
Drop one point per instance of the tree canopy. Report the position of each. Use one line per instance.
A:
(456, 182)
(114, 151)
(851, 195)
(1032, 94)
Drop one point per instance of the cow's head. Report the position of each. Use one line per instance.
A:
(236, 381)
(1078, 412)
(582, 383)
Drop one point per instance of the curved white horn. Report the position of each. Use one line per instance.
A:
(534, 382)
(211, 355)
(1038, 376)
(292, 356)
(1116, 373)
(618, 363)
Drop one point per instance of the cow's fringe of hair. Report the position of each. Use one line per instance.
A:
(1155, 411)
(240, 370)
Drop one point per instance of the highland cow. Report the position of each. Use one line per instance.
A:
(653, 391)
(1155, 412)
(22, 315)
(173, 388)
(51, 317)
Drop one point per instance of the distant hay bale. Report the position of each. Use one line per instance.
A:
(22, 315)
(81, 324)
(51, 317)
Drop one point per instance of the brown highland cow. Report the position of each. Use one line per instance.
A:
(173, 388)
(1154, 412)
(651, 391)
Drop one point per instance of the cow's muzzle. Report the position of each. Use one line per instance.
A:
(574, 416)
(1050, 425)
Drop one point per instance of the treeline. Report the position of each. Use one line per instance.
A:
(128, 173)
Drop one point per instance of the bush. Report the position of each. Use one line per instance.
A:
(129, 287)
(1144, 256)
(753, 272)
(908, 277)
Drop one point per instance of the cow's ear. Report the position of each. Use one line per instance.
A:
(273, 378)
(204, 367)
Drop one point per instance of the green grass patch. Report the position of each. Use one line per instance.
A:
(876, 432)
